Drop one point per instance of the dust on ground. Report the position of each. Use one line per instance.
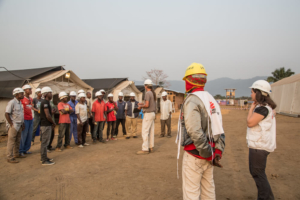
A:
(114, 171)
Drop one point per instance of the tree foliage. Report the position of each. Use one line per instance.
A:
(279, 74)
(158, 77)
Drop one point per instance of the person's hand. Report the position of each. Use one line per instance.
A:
(139, 108)
(53, 125)
(253, 105)
(11, 125)
(81, 123)
(217, 161)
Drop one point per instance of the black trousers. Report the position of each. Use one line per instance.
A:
(122, 121)
(111, 128)
(91, 126)
(257, 167)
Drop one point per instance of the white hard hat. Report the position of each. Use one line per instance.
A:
(110, 95)
(148, 82)
(263, 86)
(81, 91)
(38, 90)
(132, 94)
(81, 95)
(46, 90)
(164, 94)
(62, 95)
(26, 87)
(17, 90)
(120, 94)
(102, 90)
(73, 93)
(98, 94)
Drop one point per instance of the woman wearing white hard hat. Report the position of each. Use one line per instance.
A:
(36, 107)
(149, 108)
(26, 137)
(261, 135)
(15, 124)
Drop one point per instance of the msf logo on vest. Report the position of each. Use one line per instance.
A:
(212, 108)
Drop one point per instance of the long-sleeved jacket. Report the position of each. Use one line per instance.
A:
(195, 127)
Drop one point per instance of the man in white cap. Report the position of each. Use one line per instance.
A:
(131, 116)
(15, 124)
(89, 112)
(99, 117)
(121, 118)
(149, 109)
(82, 120)
(26, 135)
(165, 115)
(73, 117)
(36, 107)
(47, 124)
(64, 122)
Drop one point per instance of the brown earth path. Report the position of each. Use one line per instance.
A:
(114, 171)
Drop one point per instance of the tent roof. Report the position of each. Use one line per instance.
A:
(105, 83)
(287, 80)
(8, 81)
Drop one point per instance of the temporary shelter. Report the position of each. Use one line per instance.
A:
(286, 94)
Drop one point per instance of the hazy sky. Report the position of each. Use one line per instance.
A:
(117, 38)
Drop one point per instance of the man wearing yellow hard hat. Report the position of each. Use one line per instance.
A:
(202, 135)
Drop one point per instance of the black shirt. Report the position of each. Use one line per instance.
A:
(262, 111)
(44, 121)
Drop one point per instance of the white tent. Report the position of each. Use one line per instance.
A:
(286, 94)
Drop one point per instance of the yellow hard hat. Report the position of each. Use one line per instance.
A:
(194, 68)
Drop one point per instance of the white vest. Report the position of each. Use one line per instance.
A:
(263, 135)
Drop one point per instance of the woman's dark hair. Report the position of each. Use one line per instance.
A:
(264, 100)
(150, 87)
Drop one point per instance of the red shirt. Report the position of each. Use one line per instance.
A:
(111, 116)
(64, 118)
(99, 109)
(27, 105)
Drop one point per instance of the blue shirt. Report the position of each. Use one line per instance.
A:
(73, 115)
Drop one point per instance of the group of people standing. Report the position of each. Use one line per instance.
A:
(75, 117)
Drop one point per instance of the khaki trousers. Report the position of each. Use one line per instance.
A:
(13, 142)
(131, 126)
(163, 124)
(197, 179)
(148, 131)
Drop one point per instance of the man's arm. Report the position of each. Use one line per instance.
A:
(33, 107)
(7, 116)
(48, 116)
(93, 114)
(192, 119)
(78, 117)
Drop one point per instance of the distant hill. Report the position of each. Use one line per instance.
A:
(217, 86)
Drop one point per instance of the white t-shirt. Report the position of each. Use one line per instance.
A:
(165, 109)
(81, 109)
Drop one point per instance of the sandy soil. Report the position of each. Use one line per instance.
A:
(114, 171)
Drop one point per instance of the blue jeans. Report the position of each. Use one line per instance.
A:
(26, 136)
(73, 130)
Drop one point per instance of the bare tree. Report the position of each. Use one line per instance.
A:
(158, 77)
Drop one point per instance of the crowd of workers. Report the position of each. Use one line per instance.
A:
(200, 128)
(77, 117)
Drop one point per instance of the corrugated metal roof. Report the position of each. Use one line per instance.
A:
(8, 81)
(287, 80)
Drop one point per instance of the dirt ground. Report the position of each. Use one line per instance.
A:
(114, 171)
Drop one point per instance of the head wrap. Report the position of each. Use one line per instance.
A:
(195, 82)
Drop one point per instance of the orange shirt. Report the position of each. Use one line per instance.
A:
(99, 109)
(64, 118)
